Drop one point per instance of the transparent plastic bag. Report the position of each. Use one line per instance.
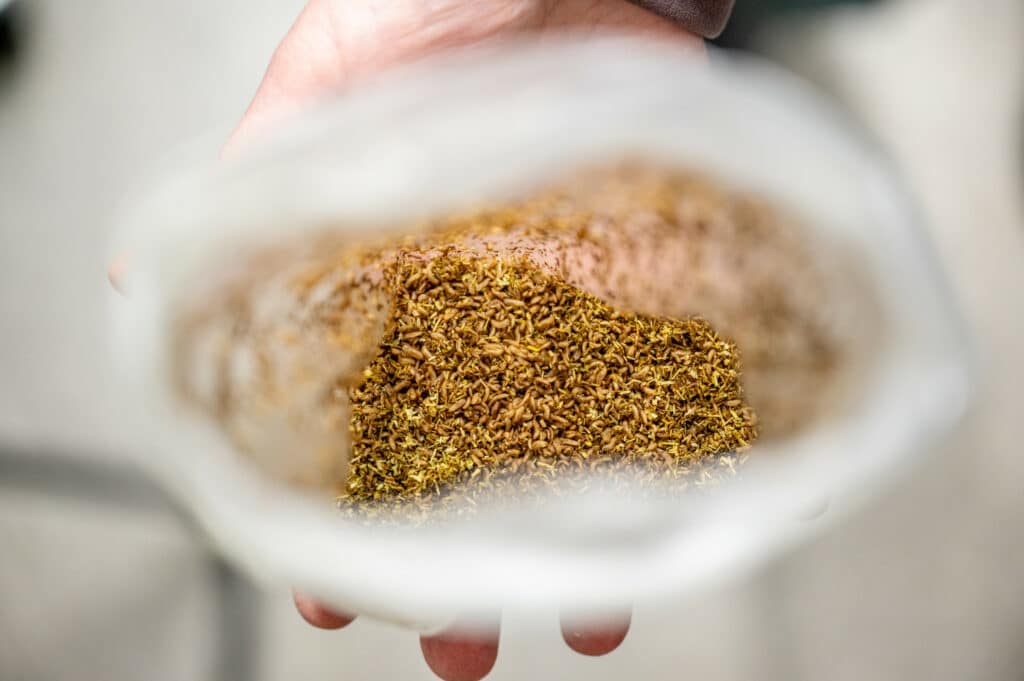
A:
(462, 129)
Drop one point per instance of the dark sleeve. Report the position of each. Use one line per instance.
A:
(703, 17)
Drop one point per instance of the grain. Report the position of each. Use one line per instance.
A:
(517, 405)
(518, 349)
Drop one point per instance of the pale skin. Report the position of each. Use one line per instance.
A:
(334, 43)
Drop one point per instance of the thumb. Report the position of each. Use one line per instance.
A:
(334, 43)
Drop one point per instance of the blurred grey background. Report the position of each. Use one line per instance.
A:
(100, 579)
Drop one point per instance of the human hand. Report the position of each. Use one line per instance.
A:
(333, 44)
(467, 653)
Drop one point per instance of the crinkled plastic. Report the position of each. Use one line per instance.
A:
(463, 128)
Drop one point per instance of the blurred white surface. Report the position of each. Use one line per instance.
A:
(106, 89)
(926, 584)
(90, 593)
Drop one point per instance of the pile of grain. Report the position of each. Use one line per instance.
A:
(597, 325)
(496, 375)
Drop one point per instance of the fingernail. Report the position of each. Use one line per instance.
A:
(595, 635)
(464, 652)
(319, 615)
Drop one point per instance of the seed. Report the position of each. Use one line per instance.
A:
(495, 375)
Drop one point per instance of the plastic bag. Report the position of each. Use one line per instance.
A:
(465, 128)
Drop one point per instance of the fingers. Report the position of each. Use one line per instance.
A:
(595, 637)
(319, 615)
(333, 44)
(814, 508)
(463, 652)
(468, 650)
(116, 272)
(621, 16)
(703, 17)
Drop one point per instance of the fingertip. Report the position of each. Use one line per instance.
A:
(814, 508)
(462, 652)
(319, 615)
(596, 637)
(706, 18)
(116, 272)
